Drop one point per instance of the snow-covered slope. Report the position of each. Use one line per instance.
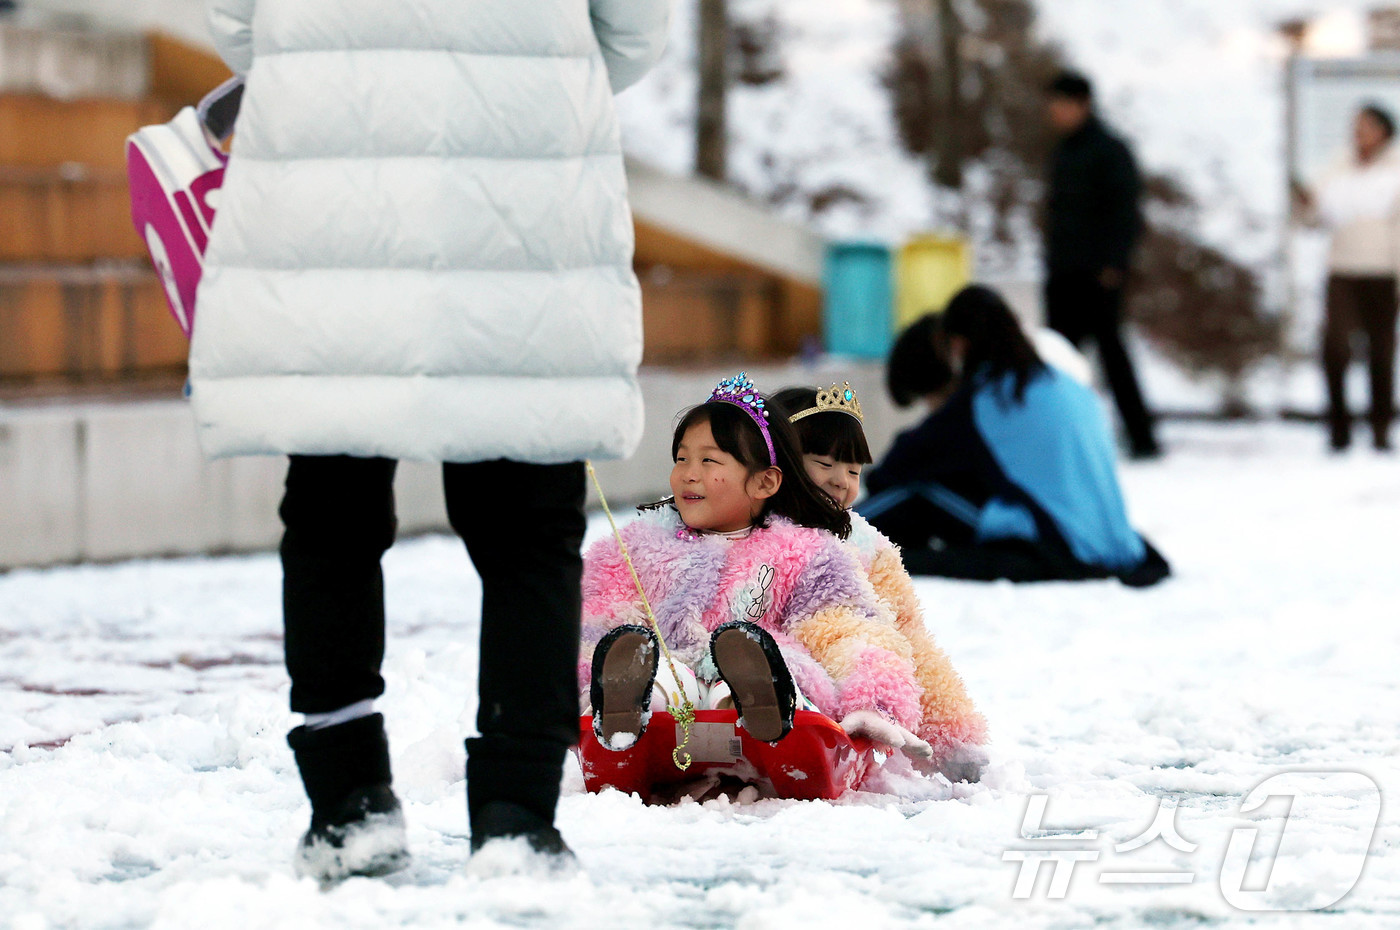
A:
(145, 780)
(1196, 83)
(825, 125)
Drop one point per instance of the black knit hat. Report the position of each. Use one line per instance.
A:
(1382, 117)
(1072, 85)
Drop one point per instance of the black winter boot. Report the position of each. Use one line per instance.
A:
(624, 669)
(748, 660)
(357, 826)
(512, 791)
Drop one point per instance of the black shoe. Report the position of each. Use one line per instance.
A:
(364, 836)
(748, 660)
(357, 825)
(512, 793)
(624, 669)
(506, 820)
(1339, 436)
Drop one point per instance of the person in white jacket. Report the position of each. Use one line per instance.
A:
(423, 250)
(1358, 200)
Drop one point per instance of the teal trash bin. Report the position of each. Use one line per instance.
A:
(858, 317)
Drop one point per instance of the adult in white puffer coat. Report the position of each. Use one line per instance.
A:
(423, 250)
(1358, 202)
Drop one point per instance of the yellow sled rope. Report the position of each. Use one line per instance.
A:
(685, 714)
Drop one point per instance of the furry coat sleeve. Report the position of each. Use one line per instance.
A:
(948, 719)
(834, 614)
(610, 599)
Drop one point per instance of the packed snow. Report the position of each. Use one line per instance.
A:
(145, 780)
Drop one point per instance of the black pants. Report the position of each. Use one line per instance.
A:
(522, 525)
(935, 529)
(1368, 305)
(1078, 307)
(932, 525)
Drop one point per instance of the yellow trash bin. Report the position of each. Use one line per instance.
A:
(930, 270)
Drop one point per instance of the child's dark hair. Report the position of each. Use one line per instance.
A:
(832, 434)
(738, 435)
(918, 364)
(996, 346)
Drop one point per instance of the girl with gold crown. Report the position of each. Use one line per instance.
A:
(753, 590)
(829, 424)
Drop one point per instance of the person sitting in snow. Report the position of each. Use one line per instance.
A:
(830, 427)
(759, 600)
(1012, 475)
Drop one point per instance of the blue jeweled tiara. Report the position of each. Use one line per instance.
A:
(740, 392)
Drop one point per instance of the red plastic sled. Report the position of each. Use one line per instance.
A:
(816, 761)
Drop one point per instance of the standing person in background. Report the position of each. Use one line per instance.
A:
(1092, 224)
(424, 251)
(1358, 200)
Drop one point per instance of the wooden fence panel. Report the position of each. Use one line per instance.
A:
(78, 325)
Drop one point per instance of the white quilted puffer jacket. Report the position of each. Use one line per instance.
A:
(423, 248)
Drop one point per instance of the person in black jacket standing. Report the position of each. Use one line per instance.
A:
(1092, 224)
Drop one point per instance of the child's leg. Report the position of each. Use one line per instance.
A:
(718, 696)
(670, 691)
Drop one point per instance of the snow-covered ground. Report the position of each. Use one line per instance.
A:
(145, 782)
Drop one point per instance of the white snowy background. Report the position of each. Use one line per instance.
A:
(144, 777)
(145, 781)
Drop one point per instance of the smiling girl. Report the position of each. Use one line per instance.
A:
(753, 589)
(829, 426)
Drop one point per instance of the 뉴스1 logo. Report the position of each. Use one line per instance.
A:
(1275, 861)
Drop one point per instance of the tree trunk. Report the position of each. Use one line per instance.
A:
(949, 152)
(711, 132)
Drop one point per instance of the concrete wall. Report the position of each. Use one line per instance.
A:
(71, 64)
(103, 481)
(113, 480)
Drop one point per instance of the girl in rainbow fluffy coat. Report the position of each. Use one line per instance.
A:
(763, 602)
(829, 426)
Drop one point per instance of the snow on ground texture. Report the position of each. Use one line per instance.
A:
(145, 780)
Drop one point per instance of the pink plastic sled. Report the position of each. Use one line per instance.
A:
(816, 761)
(175, 173)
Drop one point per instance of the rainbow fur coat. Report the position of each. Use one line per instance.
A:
(841, 639)
(948, 718)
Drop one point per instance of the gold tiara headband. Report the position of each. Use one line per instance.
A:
(836, 400)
